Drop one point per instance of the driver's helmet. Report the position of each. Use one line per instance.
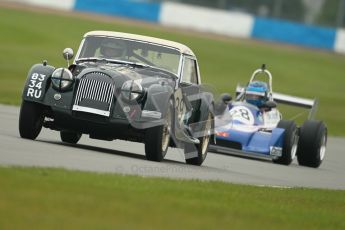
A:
(112, 48)
(256, 93)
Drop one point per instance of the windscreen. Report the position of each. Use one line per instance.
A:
(131, 51)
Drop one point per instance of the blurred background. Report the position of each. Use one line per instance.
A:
(309, 23)
(315, 12)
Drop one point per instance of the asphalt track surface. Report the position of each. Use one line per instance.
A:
(128, 158)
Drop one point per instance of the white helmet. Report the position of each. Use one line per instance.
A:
(112, 48)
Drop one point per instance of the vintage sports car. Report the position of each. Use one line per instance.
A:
(252, 126)
(122, 86)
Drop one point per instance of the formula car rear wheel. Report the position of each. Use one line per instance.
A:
(70, 137)
(30, 120)
(196, 154)
(157, 139)
(312, 144)
(289, 143)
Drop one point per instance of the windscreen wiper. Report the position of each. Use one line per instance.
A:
(97, 59)
(90, 59)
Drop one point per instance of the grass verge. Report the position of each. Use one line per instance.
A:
(60, 199)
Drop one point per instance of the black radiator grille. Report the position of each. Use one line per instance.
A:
(95, 94)
(94, 90)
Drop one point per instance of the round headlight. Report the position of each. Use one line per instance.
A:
(131, 90)
(62, 79)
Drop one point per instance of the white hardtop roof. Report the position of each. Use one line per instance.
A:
(180, 47)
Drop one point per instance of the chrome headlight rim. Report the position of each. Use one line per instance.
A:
(132, 91)
(62, 79)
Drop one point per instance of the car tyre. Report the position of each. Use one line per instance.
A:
(70, 137)
(157, 139)
(289, 143)
(30, 120)
(195, 154)
(312, 144)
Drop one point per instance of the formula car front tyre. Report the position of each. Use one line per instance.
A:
(290, 142)
(312, 143)
(157, 139)
(195, 154)
(30, 120)
(70, 137)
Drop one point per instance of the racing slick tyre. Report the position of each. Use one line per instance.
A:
(157, 139)
(312, 144)
(289, 143)
(30, 120)
(70, 137)
(195, 154)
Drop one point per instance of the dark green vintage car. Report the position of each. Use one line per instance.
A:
(123, 86)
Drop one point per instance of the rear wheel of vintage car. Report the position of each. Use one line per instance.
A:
(312, 144)
(290, 142)
(157, 139)
(30, 120)
(196, 154)
(70, 137)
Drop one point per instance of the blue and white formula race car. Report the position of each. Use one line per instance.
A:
(252, 126)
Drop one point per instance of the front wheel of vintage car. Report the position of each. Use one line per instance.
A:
(70, 137)
(157, 139)
(30, 120)
(196, 154)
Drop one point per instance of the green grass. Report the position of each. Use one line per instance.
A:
(32, 198)
(30, 37)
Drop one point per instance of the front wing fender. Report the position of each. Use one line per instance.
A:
(37, 83)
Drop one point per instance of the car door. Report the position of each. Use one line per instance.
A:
(187, 99)
(190, 86)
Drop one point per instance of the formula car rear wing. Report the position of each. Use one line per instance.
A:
(310, 104)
